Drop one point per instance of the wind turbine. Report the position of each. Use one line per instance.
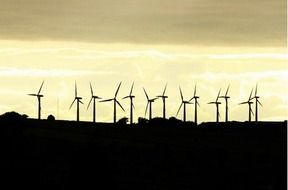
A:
(226, 97)
(163, 96)
(196, 104)
(256, 103)
(217, 106)
(183, 102)
(249, 102)
(130, 96)
(149, 103)
(78, 100)
(115, 102)
(94, 98)
(39, 96)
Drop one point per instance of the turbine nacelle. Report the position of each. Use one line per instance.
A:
(162, 96)
(255, 97)
(96, 97)
(147, 97)
(225, 97)
(214, 102)
(37, 95)
(152, 100)
(128, 97)
(194, 97)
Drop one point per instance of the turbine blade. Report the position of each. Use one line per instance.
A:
(75, 89)
(198, 104)
(191, 99)
(32, 94)
(72, 104)
(133, 106)
(164, 90)
(40, 87)
(153, 99)
(211, 103)
(120, 105)
(260, 103)
(227, 90)
(256, 89)
(131, 88)
(91, 89)
(97, 97)
(117, 89)
(146, 108)
(218, 95)
(126, 97)
(89, 102)
(243, 103)
(181, 93)
(179, 109)
(251, 111)
(107, 100)
(195, 91)
(80, 101)
(250, 94)
(146, 94)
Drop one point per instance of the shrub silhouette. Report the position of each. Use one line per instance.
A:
(142, 121)
(13, 116)
(51, 118)
(122, 121)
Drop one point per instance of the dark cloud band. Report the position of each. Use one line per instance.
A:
(207, 22)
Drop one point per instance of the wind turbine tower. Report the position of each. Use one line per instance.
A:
(78, 100)
(149, 103)
(39, 96)
(163, 96)
(256, 103)
(226, 97)
(217, 106)
(130, 96)
(183, 102)
(249, 102)
(196, 104)
(94, 98)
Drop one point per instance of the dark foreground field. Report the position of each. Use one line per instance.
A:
(67, 155)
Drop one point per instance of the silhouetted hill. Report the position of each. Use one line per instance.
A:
(160, 154)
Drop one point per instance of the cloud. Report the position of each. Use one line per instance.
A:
(17, 72)
(206, 22)
(251, 56)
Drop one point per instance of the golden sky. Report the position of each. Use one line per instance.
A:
(182, 42)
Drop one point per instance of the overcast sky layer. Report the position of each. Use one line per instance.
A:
(202, 22)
